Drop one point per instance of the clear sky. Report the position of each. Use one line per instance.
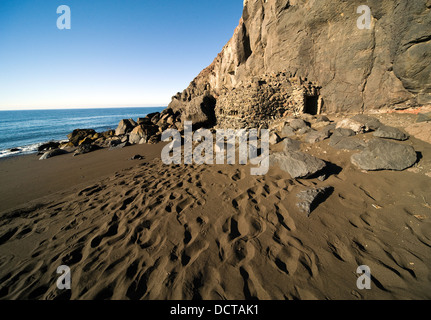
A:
(117, 52)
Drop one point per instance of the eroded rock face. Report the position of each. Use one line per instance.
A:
(319, 54)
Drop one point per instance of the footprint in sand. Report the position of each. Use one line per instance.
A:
(193, 251)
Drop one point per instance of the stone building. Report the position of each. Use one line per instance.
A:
(261, 100)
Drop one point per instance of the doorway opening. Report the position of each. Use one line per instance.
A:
(311, 105)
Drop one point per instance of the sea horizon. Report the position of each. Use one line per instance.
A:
(27, 129)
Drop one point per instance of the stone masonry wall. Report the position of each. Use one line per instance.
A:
(259, 101)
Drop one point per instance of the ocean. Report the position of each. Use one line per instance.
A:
(28, 129)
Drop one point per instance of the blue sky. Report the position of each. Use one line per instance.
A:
(117, 53)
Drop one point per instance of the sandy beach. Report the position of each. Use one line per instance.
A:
(139, 229)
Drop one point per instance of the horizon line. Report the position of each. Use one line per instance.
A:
(82, 108)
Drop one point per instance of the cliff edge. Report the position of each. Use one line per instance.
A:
(290, 56)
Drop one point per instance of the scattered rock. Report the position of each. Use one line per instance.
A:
(368, 122)
(274, 138)
(291, 145)
(303, 130)
(114, 144)
(52, 153)
(340, 139)
(48, 146)
(142, 133)
(155, 139)
(86, 140)
(321, 125)
(287, 131)
(153, 117)
(14, 150)
(66, 145)
(347, 143)
(322, 118)
(146, 120)
(316, 136)
(356, 126)
(390, 133)
(385, 155)
(78, 135)
(297, 163)
(133, 122)
(125, 126)
(312, 197)
(85, 148)
(107, 134)
(343, 132)
(297, 124)
(137, 157)
(330, 128)
(138, 136)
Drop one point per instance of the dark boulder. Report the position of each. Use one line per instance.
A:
(107, 134)
(86, 148)
(52, 153)
(142, 133)
(390, 133)
(291, 145)
(297, 124)
(144, 121)
(347, 143)
(137, 157)
(125, 126)
(297, 163)
(382, 154)
(316, 136)
(343, 132)
(78, 135)
(367, 121)
(116, 144)
(48, 146)
(200, 111)
(287, 131)
(274, 138)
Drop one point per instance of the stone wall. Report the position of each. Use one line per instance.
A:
(259, 101)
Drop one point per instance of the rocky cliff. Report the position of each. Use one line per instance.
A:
(312, 53)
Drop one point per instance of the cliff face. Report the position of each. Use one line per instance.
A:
(316, 43)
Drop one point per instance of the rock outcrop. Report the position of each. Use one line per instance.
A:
(289, 56)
